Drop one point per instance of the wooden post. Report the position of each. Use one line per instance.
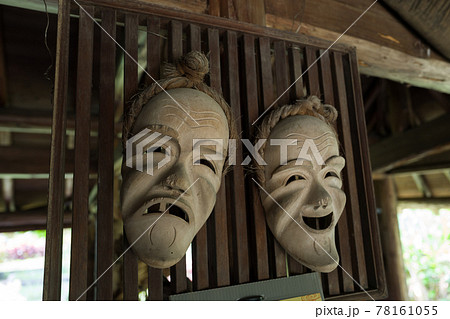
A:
(390, 239)
(53, 244)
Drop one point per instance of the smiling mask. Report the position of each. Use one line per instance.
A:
(305, 181)
(170, 205)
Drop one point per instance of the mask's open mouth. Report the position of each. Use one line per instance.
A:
(319, 223)
(171, 210)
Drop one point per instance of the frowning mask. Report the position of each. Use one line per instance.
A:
(308, 187)
(184, 191)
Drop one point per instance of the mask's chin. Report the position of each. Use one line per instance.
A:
(161, 232)
(309, 240)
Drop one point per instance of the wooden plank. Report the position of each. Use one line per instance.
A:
(177, 272)
(343, 231)
(281, 72)
(429, 19)
(175, 40)
(155, 284)
(374, 264)
(313, 72)
(251, 11)
(259, 244)
(280, 260)
(178, 279)
(327, 82)
(105, 238)
(294, 267)
(266, 72)
(130, 273)
(28, 220)
(53, 242)
(79, 252)
(429, 138)
(3, 80)
(13, 119)
(328, 98)
(200, 243)
(295, 64)
(237, 192)
(221, 274)
(153, 49)
(350, 182)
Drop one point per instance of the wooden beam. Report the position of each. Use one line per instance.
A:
(434, 163)
(28, 220)
(251, 11)
(430, 138)
(18, 162)
(390, 239)
(431, 19)
(422, 185)
(20, 120)
(443, 201)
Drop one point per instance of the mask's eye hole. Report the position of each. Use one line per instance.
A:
(331, 174)
(207, 163)
(155, 150)
(294, 178)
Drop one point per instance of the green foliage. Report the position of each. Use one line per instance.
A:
(426, 251)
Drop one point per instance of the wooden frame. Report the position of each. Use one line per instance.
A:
(235, 245)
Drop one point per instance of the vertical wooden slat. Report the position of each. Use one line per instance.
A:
(130, 267)
(296, 92)
(374, 266)
(296, 72)
(105, 239)
(294, 267)
(237, 191)
(53, 241)
(153, 49)
(178, 271)
(342, 226)
(313, 73)
(178, 280)
(280, 259)
(327, 81)
(200, 243)
(281, 78)
(155, 276)
(175, 40)
(266, 72)
(281, 72)
(221, 275)
(259, 244)
(350, 182)
(328, 98)
(155, 284)
(79, 252)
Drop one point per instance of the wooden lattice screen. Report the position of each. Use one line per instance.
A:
(252, 66)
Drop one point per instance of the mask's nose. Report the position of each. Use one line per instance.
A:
(318, 201)
(179, 178)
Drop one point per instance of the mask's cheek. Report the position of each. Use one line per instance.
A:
(135, 187)
(339, 200)
(205, 199)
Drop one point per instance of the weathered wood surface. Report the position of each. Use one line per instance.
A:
(53, 242)
(79, 252)
(429, 138)
(431, 19)
(385, 195)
